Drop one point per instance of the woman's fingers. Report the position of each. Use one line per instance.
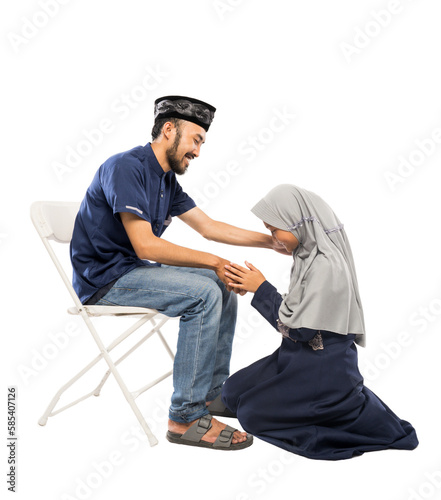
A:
(235, 268)
(236, 285)
(234, 273)
(233, 276)
(243, 278)
(250, 266)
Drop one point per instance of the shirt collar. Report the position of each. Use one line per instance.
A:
(152, 160)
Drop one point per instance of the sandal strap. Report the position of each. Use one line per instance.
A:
(198, 429)
(225, 437)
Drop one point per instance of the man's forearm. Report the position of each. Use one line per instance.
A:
(232, 235)
(165, 252)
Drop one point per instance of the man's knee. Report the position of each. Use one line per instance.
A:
(210, 293)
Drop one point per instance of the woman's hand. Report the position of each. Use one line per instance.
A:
(245, 279)
(231, 287)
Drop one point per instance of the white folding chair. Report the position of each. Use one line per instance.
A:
(55, 221)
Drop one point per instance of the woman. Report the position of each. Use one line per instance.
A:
(308, 397)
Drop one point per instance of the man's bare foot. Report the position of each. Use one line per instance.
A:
(211, 435)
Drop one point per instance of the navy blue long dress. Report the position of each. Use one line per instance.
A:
(312, 402)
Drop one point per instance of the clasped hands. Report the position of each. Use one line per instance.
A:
(241, 280)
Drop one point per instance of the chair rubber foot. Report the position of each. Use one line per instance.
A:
(153, 441)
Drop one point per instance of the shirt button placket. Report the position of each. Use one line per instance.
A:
(161, 203)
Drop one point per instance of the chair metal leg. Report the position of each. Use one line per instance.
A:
(97, 391)
(49, 410)
(127, 394)
(104, 354)
(167, 347)
(151, 384)
(164, 342)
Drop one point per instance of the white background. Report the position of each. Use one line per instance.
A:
(351, 117)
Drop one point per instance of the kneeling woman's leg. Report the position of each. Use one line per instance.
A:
(239, 392)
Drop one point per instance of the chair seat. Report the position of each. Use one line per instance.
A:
(113, 311)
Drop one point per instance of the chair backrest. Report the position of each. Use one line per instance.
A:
(54, 220)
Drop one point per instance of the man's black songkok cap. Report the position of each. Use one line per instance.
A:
(185, 108)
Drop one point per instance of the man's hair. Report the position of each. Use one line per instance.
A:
(157, 127)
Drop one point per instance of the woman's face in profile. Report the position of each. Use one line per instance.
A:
(285, 238)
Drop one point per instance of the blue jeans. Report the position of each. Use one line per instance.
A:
(207, 320)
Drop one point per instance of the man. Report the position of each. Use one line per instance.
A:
(118, 230)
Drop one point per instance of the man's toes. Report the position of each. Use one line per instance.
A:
(239, 437)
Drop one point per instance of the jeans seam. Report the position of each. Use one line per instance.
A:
(197, 352)
(105, 300)
(156, 290)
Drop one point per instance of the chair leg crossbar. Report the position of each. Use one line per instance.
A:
(130, 396)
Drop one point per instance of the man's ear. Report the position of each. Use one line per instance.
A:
(168, 130)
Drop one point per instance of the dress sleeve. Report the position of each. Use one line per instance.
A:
(267, 301)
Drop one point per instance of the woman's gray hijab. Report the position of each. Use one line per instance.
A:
(323, 291)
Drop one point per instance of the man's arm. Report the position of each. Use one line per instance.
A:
(150, 247)
(226, 233)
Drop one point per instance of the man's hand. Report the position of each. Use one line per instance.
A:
(228, 282)
(278, 247)
(245, 279)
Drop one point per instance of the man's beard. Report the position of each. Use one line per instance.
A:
(172, 158)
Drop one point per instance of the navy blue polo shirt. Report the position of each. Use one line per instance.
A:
(134, 182)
